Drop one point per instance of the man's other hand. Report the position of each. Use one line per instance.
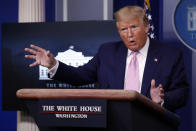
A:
(157, 93)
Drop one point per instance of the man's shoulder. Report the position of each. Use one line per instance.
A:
(165, 47)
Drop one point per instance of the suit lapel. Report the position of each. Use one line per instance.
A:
(152, 61)
(121, 61)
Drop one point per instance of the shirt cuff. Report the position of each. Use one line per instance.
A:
(52, 71)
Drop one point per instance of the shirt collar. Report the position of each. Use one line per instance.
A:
(143, 51)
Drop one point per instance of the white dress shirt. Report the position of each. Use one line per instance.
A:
(141, 57)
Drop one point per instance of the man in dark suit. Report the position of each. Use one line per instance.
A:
(159, 71)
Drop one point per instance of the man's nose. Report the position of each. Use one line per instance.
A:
(130, 33)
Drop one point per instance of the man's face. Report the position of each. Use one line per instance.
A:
(133, 33)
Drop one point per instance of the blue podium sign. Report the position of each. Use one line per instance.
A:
(71, 113)
(184, 22)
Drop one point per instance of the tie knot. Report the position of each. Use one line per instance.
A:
(134, 53)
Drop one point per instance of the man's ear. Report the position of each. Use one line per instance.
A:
(147, 28)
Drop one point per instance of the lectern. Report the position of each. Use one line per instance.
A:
(97, 110)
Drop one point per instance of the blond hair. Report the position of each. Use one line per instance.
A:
(128, 13)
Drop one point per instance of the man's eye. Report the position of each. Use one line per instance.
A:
(124, 29)
(134, 27)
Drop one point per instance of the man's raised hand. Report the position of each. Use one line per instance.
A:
(41, 56)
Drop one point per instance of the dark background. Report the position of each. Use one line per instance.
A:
(85, 36)
(9, 13)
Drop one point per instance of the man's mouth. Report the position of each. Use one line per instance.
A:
(132, 42)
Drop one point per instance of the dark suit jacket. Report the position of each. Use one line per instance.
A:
(108, 69)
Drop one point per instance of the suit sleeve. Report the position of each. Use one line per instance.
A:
(81, 75)
(177, 91)
(85, 74)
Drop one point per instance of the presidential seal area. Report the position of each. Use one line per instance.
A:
(90, 108)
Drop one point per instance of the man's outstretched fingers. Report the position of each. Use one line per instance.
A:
(34, 64)
(37, 48)
(30, 56)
